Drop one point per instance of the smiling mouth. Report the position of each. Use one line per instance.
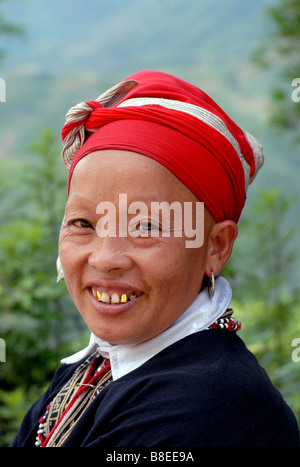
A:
(115, 298)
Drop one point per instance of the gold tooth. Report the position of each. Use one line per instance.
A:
(104, 297)
(124, 298)
(99, 296)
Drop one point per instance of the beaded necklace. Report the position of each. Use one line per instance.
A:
(227, 321)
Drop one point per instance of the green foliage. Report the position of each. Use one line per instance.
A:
(270, 339)
(279, 54)
(273, 294)
(266, 255)
(39, 323)
(266, 294)
(14, 405)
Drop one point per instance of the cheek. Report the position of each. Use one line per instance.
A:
(72, 267)
(175, 282)
(175, 269)
(70, 257)
(186, 270)
(64, 250)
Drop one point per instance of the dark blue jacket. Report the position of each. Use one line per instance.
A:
(205, 390)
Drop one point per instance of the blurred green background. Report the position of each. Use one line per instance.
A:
(245, 55)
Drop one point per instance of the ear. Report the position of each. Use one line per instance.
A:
(220, 243)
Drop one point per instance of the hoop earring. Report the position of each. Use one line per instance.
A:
(211, 285)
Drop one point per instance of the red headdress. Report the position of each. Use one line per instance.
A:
(178, 125)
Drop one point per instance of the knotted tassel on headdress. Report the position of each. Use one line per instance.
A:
(74, 132)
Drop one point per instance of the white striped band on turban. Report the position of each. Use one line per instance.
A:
(169, 101)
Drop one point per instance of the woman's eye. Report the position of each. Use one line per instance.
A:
(148, 226)
(81, 223)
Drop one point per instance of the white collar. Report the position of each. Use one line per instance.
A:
(126, 358)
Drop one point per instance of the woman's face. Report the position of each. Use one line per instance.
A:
(156, 276)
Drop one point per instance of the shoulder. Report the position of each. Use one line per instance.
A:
(208, 389)
(210, 364)
(212, 355)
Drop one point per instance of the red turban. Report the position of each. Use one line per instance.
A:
(178, 125)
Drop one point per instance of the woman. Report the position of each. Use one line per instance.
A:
(148, 161)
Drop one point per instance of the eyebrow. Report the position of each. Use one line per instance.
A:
(77, 196)
(80, 201)
(76, 202)
(144, 198)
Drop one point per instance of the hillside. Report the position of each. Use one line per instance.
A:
(74, 50)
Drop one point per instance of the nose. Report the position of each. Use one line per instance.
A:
(110, 254)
